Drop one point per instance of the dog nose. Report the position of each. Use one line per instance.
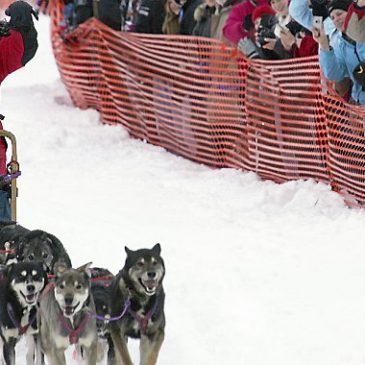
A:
(151, 274)
(30, 288)
(68, 300)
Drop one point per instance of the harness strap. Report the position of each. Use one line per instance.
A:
(143, 320)
(21, 329)
(74, 334)
(108, 319)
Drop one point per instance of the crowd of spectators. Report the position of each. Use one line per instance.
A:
(261, 29)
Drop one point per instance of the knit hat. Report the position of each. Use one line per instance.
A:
(262, 10)
(339, 4)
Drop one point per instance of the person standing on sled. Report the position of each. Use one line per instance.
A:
(18, 45)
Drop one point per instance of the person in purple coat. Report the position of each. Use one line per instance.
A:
(239, 24)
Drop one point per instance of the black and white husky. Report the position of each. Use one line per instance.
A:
(20, 287)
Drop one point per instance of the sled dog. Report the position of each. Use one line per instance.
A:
(137, 298)
(67, 316)
(35, 245)
(20, 287)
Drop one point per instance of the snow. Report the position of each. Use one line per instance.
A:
(257, 273)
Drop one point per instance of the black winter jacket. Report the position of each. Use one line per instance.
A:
(151, 14)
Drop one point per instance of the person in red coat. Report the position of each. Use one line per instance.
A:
(18, 45)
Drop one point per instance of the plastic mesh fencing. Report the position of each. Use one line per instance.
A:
(204, 101)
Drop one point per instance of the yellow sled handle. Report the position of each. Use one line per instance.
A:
(13, 166)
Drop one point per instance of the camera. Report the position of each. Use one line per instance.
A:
(266, 29)
(294, 27)
(4, 28)
(319, 8)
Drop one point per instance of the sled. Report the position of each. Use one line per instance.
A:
(13, 172)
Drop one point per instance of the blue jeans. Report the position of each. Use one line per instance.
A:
(5, 211)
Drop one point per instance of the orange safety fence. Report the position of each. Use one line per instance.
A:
(204, 101)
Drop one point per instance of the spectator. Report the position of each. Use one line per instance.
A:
(342, 60)
(266, 45)
(203, 17)
(333, 27)
(186, 16)
(219, 20)
(355, 21)
(333, 23)
(171, 21)
(294, 39)
(211, 17)
(239, 24)
(77, 12)
(150, 17)
(18, 45)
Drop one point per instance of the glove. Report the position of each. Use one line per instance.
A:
(21, 20)
(247, 47)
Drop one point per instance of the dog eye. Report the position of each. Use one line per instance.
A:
(78, 286)
(140, 263)
(61, 286)
(45, 255)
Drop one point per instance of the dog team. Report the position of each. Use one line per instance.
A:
(55, 306)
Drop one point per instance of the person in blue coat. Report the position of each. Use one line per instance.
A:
(341, 60)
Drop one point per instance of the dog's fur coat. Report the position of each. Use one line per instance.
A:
(66, 316)
(139, 283)
(35, 245)
(20, 288)
(101, 279)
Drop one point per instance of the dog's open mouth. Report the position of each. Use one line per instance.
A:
(69, 309)
(29, 298)
(149, 286)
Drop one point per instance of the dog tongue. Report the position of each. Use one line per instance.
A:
(30, 297)
(69, 310)
(151, 284)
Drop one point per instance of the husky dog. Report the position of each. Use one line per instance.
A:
(19, 292)
(101, 279)
(137, 298)
(36, 245)
(66, 316)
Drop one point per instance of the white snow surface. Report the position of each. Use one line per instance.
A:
(257, 273)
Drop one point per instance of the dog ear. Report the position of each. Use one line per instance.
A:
(128, 251)
(45, 276)
(85, 268)
(59, 268)
(157, 249)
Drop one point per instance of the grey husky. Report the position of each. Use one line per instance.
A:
(67, 316)
(137, 300)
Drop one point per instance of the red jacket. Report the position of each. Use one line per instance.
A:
(308, 47)
(11, 53)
